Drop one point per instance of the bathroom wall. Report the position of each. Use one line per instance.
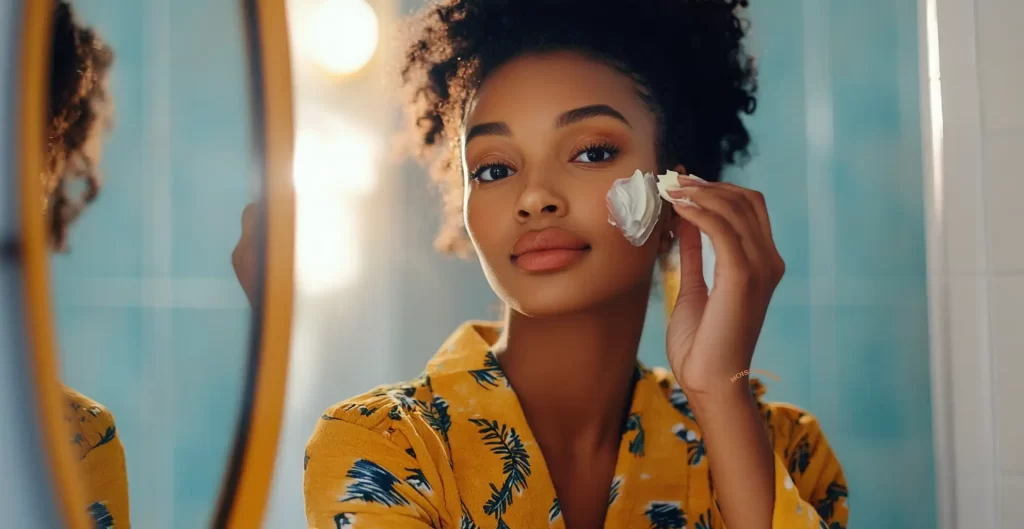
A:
(980, 261)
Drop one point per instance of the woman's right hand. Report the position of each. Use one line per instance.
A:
(244, 257)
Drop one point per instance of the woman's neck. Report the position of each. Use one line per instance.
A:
(573, 372)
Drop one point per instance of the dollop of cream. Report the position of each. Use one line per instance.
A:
(670, 182)
(634, 206)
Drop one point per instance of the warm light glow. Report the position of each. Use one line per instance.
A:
(326, 243)
(334, 158)
(335, 167)
(935, 100)
(341, 35)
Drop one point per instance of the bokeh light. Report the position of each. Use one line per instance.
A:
(340, 35)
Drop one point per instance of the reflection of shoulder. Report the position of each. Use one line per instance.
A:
(90, 424)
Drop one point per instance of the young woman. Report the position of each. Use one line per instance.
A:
(546, 419)
(78, 113)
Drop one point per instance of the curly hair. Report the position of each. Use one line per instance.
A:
(79, 109)
(686, 57)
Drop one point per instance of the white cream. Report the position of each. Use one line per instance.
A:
(634, 206)
(670, 182)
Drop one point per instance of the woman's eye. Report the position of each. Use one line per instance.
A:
(490, 173)
(595, 155)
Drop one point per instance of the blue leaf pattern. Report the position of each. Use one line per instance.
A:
(555, 511)
(680, 402)
(801, 459)
(404, 396)
(665, 516)
(488, 376)
(343, 520)
(703, 521)
(101, 516)
(466, 521)
(505, 443)
(372, 484)
(417, 479)
(694, 445)
(636, 446)
(436, 415)
(107, 437)
(613, 494)
(826, 506)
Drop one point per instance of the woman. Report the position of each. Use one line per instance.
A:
(77, 115)
(546, 419)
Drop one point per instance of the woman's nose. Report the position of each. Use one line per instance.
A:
(539, 201)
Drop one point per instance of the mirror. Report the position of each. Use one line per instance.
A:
(153, 152)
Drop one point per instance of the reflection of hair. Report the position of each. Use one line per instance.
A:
(686, 57)
(78, 109)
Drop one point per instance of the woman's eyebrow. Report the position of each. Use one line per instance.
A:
(499, 128)
(591, 111)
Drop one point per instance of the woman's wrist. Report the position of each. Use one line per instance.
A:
(726, 385)
(721, 398)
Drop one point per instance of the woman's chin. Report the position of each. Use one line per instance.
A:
(563, 298)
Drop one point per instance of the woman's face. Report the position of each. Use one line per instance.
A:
(543, 142)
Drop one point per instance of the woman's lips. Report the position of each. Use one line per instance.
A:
(548, 250)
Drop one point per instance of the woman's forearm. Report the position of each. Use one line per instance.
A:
(740, 455)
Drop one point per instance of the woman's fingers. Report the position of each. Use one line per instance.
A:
(758, 206)
(733, 208)
(746, 217)
(728, 247)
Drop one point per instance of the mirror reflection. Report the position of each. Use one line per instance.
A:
(150, 165)
(606, 394)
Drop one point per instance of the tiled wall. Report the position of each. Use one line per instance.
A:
(1001, 84)
(982, 72)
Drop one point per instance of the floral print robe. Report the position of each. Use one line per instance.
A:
(453, 450)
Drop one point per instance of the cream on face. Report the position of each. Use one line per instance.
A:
(634, 206)
(634, 203)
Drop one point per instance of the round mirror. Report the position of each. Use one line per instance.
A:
(163, 187)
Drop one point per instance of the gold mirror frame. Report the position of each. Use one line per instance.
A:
(246, 484)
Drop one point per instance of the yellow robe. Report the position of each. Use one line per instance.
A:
(453, 450)
(100, 456)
